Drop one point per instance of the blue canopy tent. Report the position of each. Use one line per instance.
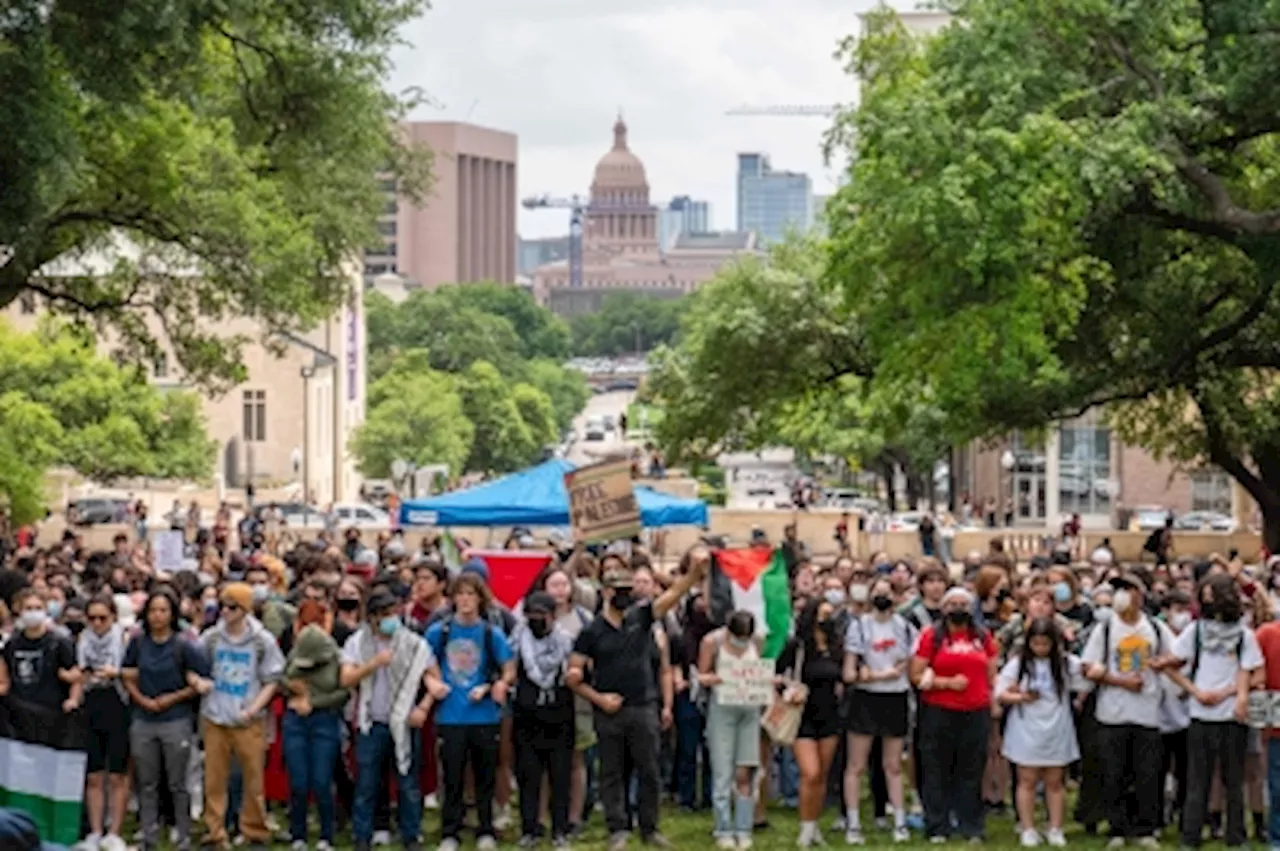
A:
(537, 497)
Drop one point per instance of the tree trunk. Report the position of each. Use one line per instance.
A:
(891, 495)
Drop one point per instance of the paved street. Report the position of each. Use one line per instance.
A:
(762, 479)
(604, 404)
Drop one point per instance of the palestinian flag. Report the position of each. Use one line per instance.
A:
(42, 766)
(754, 580)
(511, 572)
(450, 553)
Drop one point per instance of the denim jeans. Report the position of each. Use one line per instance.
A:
(371, 748)
(690, 743)
(310, 752)
(733, 736)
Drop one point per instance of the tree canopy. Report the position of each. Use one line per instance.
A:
(62, 403)
(1061, 204)
(227, 156)
(626, 323)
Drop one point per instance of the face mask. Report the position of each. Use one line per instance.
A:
(75, 627)
(348, 604)
(828, 626)
(388, 625)
(739, 643)
(540, 627)
(261, 593)
(1061, 592)
(882, 602)
(1179, 620)
(834, 597)
(31, 620)
(859, 593)
(1123, 600)
(54, 608)
(959, 617)
(622, 599)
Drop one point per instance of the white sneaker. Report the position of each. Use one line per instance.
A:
(1056, 837)
(839, 824)
(745, 843)
(431, 802)
(1115, 842)
(937, 840)
(901, 834)
(89, 843)
(486, 843)
(382, 837)
(727, 843)
(449, 844)
(112, 842)
(853, 836)
(502, 818)
(1149, 842)
(322, 845)
(298, 845)
(1029, 838)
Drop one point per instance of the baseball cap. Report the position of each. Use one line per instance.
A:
(18, 832)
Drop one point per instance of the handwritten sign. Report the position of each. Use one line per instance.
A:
(602, 502)
(744, 682)
(169, 551)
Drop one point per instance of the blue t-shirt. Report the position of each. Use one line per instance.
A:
(463, 666)
(162, 669)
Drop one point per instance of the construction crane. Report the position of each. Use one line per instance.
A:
(789, 110)
(577, 207)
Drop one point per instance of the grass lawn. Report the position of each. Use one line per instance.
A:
(641, 418)
(693, 831)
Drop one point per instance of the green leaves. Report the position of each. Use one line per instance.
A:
(625, 324)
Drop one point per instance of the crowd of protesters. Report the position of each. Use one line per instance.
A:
(392, 681)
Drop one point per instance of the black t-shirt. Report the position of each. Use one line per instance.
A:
(822, 673)
(622, 658)
(33, 668)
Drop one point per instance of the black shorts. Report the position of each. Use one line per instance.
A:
(879, 714)
(820, 722)
(108, 732)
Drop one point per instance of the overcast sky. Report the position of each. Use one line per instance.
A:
(556, 73)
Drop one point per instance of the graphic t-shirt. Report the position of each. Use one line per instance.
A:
(1125, 648)
(880, 645)
(967, 654)
(33, 668)
(464, 666)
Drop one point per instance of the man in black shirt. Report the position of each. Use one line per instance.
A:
(38, 665)
(624, 690)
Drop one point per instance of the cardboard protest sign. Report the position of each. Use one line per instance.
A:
(602, 502)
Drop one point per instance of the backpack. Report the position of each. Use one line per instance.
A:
(1153, 541)
(1155, 627)
(492, 668)
(1195, 656)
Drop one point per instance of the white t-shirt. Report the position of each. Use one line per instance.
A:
(1129, 651)
(380, 698)
(1220, 661)
(1175, 715)
(880, 645)
(1041, 733)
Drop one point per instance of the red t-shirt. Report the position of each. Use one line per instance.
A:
(959, 655)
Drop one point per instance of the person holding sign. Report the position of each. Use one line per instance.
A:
(730, 667)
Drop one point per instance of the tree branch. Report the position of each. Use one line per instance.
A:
(1224, 209)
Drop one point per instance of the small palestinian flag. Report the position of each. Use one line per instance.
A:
(42, 766)
(511, 572)
(754, 580)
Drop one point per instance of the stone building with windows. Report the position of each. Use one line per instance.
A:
(293, 416)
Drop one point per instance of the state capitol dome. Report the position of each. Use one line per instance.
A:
(620, 174)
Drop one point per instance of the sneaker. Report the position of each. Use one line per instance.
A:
(839, 824)
(502, 818)
(527, 841)
(1115, 842)
(901, 834)
(745, 842)
(89, 843)
(298, 845)
(486, 843)
(381, 837)
(1029, 838)
(853, 836)
(448, 844)
(726, 843)
(112, 842)
(323, 845)
(882, 822)
(657, 840)
(937, 840)
(618, 841)
(560, 842)
(1149, 842)
(1056, 837)
(431, 802)
(915, 821)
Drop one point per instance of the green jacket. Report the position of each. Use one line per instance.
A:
(316, 661)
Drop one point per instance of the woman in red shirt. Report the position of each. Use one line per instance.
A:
(954, 666)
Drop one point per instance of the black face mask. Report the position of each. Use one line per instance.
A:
(1207, 609)
(347, 604)
(828, 626)
(882, 603)
(622, 599)
(75, 627)
(540, 627)
(959, 617)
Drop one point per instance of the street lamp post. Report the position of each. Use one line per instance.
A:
(1007, 463)
(306, 372)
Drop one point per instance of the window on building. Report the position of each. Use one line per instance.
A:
(160, 366)
(1210, 491)
(390, 249)
(1084, 466)
(387, 227)
(27, 303)
(255, 416)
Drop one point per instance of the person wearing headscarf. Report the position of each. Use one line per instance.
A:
(543, 726)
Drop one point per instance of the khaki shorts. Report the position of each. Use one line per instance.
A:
(584, 731)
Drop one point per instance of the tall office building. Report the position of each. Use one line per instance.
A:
(771, 203)
(682, 215)
(465, 230)
(540, 252)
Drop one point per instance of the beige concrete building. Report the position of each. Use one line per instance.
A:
(620, 243)
(466, 229)
(292, 418)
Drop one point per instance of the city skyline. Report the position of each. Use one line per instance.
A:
(671, 69)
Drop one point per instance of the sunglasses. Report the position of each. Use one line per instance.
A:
(99, 618)
(230, 607)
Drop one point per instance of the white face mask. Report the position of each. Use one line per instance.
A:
(31, 619)
(1178, 621)
(859, 593)
(1122, 601)
(833, 596)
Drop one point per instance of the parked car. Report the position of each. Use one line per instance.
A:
(96, 510)
(1148, 518)
(348, 515)
(906, 521)
(1205, 521)
(594, 429)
